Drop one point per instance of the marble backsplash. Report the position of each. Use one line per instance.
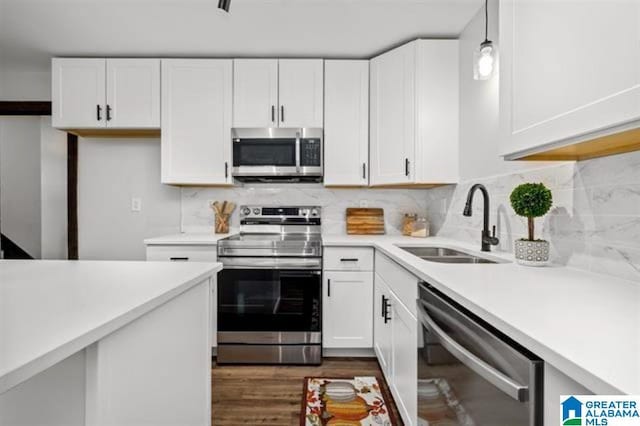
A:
(594, 223)
(197, 216)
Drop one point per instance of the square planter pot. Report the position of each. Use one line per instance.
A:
(532, 253)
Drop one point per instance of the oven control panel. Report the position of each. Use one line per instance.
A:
(283, 212)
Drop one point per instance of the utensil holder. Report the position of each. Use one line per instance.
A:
(222, 223)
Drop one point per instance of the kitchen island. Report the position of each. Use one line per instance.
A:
(100, 343)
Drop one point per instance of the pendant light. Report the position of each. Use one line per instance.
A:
(484, 57)
(224, 5)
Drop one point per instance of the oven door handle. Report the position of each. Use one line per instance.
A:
(297, 152)
(507, 385)
(285, 273)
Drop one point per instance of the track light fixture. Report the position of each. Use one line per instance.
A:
(224, 5)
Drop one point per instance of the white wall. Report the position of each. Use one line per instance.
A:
(479, 108)
(110, 173)
(20, 207)
(53, 182)
(25, 85)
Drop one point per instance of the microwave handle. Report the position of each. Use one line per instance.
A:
(512, 388)
(297, 152)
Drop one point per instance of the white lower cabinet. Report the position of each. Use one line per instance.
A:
(556, 383)
(381, 332)
(404, 360)
(395, 344)
(347, 310)
(195, 253)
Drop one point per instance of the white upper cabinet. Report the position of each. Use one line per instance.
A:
(568, 71)
(91, 93)
(300, 92)
(392, 116)
(133, 93)
(414, 114)
(255, 93)
(196, 121)
(346, 123)
(78, 93)
(278, 93)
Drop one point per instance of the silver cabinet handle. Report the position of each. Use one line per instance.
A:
(349, 259)
(328, 288)
(364, 171)
(406, 167)
(282, 113)
(507, 385)
(179, 259)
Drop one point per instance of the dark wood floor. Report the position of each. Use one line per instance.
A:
(271, 395)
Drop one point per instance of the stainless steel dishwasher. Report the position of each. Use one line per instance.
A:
(471, 374)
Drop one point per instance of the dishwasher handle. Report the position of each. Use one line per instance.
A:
(507, 385)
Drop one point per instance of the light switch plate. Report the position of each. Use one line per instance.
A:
(136, 204)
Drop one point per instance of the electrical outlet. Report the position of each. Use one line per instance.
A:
(136, 204)
(364, 204)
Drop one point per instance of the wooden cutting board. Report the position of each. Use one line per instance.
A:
(365, 221)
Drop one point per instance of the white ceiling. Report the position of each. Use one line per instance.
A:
(31, 31)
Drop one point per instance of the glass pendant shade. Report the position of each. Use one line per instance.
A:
(484, 61)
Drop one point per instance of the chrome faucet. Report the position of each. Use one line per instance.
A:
(487, 240)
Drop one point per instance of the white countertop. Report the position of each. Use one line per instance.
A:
(584, 324)
(52, 309)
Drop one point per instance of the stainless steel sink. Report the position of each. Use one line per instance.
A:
(447, 255)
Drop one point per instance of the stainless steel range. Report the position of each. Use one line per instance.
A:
(270, 290)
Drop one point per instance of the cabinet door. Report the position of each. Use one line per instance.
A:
(133, 93)
(255, 93)
(78, 93)
(404, 360)
(560, 79)
(346, 123)
(300, 88)
(392, 116)
(381, 328)
(196, 121)
(347, 312)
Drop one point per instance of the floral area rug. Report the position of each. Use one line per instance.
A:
(359, 401)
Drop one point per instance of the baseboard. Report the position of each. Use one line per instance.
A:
(348, 352)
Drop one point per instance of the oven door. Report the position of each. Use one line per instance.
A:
(268, 302)
(468, 373)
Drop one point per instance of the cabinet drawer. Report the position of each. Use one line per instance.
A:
(403, 283)
(348, 258)
(182, 253)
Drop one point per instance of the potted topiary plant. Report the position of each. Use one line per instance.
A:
(531, 200)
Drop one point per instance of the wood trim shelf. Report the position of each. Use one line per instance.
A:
(617, 143)
(115, 133)
(411, 185)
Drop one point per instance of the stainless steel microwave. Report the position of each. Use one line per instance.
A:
(271, 154)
